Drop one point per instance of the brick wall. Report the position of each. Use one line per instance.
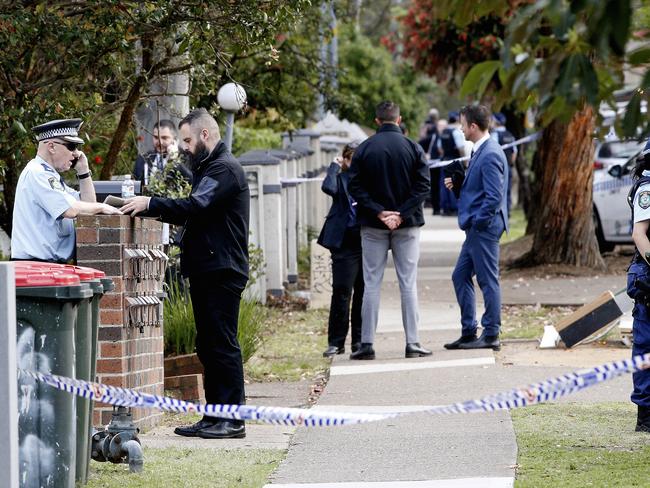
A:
(126, 356)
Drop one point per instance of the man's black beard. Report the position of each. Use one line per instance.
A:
(200, 153)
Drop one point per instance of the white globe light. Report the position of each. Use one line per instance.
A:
(231, 97)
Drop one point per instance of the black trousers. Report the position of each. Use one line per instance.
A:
(347, 277)
(435, 189)
(215, 300)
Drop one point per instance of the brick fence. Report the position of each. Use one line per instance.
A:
(127, 357)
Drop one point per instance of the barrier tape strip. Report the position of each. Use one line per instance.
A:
(521, 397)
(433, 163)
(439, 163)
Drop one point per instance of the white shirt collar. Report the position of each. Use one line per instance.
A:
(645, 172)
(478, 143)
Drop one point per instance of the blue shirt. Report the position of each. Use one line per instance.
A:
(39, 229)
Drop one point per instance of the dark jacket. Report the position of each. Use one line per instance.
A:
(215, 216)
(389, 172)
(335, 184)
(150, 158)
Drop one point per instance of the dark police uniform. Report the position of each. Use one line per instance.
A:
(638, 288)
(449, 146)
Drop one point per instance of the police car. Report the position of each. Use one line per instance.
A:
(611, 212)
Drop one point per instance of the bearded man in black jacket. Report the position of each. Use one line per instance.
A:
(214, 256)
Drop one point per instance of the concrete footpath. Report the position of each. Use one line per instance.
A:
(422, 450)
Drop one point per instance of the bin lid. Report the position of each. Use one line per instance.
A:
(84, 273)
(32, 279)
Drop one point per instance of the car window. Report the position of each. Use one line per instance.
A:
(619, 149)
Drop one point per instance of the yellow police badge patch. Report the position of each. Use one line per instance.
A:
(56, 185)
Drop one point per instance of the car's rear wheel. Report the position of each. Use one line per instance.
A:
(603, 245)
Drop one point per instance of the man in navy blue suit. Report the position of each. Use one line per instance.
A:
(482, 214)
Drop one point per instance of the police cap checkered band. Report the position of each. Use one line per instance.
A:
(66, 129)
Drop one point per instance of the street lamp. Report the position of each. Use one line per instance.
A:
(232, 98)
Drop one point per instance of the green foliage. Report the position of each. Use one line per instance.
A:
(368, 74)
(246, 139)
(169, 182)
(179, 329)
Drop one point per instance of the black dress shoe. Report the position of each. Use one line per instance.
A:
(414, 350)
(461, 340)
(483, 342)
(643, 419)
(192, 430)
(333, 351)
(224, 429)
(356, 346)
(364, 352)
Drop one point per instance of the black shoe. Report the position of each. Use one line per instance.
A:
(333, 351)
(456, 344)
(192, 430)
(364, 352)
(414, 350)
(224, 429)
(483, 342)
(643, 419)
(356, 346)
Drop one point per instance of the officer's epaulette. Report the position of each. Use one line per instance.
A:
(47, 168)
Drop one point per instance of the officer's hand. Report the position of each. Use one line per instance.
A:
(109, 210)
(81, 166)
(135, 205)
(448, 183)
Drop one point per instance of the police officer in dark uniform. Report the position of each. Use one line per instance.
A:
(214, 256)
(638, 284)
(451, 144)
(504, 136)
(430, 145)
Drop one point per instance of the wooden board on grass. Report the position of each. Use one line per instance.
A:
(588, 319)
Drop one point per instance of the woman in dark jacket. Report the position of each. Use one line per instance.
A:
(341, 235)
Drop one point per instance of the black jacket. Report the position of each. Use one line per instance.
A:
(335, 184)
(215, 216)
(389, 172)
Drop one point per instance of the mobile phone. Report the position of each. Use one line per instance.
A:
(74, 162)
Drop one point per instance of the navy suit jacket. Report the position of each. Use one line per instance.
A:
(483, 196)
(335, 184)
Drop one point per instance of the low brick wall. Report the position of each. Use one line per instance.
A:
(126, 356)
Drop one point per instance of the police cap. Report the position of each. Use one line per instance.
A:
(66, 129)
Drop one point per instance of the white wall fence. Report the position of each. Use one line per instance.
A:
(287, 211)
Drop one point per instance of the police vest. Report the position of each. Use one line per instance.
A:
(449, 149)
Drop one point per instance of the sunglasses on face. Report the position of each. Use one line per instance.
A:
(70, 146)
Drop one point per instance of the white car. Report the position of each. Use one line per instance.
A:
(612, 151)
(612, 217)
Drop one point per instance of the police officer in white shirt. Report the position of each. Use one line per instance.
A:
(44, 209)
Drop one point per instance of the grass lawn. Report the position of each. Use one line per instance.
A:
(528, 321)
(581, 445)
(292, 346)
(517, 226)
(191, 468)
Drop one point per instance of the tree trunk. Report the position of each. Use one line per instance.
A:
(564, 233)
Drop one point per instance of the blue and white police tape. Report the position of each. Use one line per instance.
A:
(544, 391)
(439, 163)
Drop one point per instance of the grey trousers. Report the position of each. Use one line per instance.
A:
(405, 245)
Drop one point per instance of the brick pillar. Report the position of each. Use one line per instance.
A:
(126, 357)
